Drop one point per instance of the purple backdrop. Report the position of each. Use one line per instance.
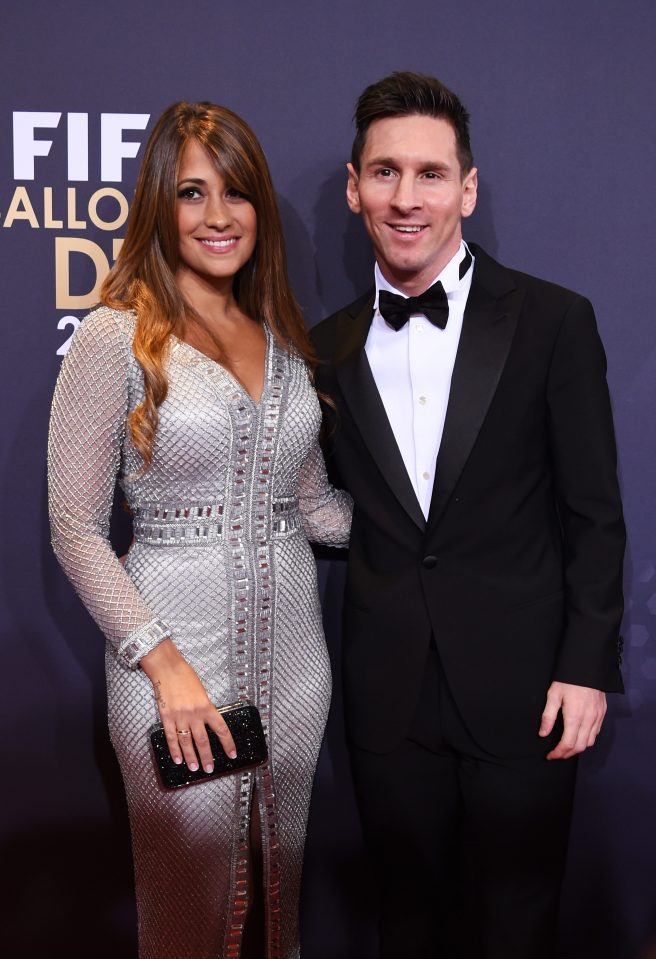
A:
(561, 97)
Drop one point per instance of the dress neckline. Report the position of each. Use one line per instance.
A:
(182, 344)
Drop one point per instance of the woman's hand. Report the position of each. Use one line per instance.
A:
(184, 708)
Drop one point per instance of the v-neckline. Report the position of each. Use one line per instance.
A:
(226, 372)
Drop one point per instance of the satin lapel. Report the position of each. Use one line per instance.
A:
(488, 327)
(366, 407)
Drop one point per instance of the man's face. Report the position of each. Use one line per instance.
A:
(412, 197)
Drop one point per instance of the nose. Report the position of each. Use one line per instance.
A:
(217, 213)
(406, 196)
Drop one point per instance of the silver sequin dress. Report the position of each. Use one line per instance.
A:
(221, 562)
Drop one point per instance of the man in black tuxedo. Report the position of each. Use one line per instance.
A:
(469, 417)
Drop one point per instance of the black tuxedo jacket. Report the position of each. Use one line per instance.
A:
(518, 571)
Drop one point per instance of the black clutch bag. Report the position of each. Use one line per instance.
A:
(243, 721)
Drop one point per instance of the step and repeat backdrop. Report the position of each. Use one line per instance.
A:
(561, 98)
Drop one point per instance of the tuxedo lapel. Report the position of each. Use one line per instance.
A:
(363, 400)
(488, 327)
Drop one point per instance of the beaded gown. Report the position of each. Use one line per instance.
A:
(221, 563)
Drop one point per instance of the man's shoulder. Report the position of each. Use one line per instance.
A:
(324, 334)
(490, 272)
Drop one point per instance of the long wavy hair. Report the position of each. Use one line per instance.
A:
(143, 277)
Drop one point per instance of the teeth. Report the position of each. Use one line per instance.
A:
(218, 243)
(408, 229)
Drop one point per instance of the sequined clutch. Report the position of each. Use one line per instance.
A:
(243, 721)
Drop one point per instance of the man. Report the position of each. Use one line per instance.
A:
(473, 428)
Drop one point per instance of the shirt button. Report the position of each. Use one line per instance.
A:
(422, 401)
(429, 562)
(419, 328)
(425, 475)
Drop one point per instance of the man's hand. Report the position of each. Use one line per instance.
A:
(583, 711)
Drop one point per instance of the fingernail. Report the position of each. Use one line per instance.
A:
(177, 760)
(232, 754)
(209, 768)
(193, 767)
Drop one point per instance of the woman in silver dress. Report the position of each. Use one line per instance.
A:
(190, 385)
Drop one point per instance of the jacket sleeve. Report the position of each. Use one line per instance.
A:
(87, 428)
(585, 463)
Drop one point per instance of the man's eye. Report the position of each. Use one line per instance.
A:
(385, 172)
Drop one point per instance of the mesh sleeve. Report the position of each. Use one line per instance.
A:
(325, 511)
(87, 427)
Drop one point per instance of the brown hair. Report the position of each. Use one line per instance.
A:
(143, 277)
(405, 94)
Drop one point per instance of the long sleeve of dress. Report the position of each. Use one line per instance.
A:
(87, 429)
(325, 511)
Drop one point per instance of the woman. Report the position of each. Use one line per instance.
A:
(190, 385)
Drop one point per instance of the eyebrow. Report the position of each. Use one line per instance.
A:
(422, 164)
(191, 179)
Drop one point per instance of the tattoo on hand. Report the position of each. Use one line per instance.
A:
(159, 698)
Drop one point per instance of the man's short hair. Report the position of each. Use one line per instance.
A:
(404, 94)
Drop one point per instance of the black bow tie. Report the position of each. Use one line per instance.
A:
(433, 303)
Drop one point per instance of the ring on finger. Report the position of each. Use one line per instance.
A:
(184, 732)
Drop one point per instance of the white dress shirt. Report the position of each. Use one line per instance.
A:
(412, 369)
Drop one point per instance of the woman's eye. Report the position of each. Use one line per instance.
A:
(188, 193)
(234, 194)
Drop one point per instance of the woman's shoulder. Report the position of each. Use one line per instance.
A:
(103, 333)
(105, 320)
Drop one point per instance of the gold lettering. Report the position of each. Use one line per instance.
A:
(122, 209)
(21, 208)
(64, 247)
(73, 222)
(48, 221)
(116, 247)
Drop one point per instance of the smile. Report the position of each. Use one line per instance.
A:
(406, 229)
(220, 244)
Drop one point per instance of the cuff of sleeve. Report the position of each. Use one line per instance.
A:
(141, 641)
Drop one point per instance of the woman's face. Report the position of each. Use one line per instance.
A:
(217, 225)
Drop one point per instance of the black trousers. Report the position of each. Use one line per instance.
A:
(468, 849)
